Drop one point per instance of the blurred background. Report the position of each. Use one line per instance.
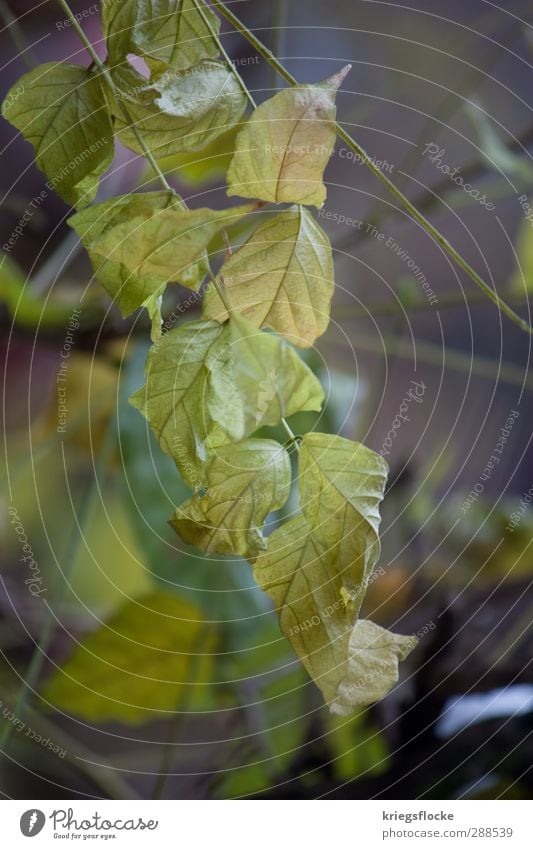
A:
(133, 666)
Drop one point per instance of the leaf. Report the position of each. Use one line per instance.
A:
(194, 169)
(181, 110)
(341, 486)
(522, 278)
(493, 147)
(138, 243)
(165, 242)
(257, 380)
(245, 482)
(166, 32)
(61, 109)
(146, 660)
(130, 290)
(282, 278)
(281, 153)
(372, 670)
(308, 585)
(174, 399)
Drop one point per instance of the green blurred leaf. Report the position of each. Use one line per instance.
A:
(522, 279)
(148, 659)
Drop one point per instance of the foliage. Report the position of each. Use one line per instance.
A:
(212, 384)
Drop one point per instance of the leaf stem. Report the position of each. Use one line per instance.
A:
(219, 286)
(366, 159)
(292, 435)
(116, 94)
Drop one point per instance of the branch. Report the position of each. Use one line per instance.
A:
(365, 158)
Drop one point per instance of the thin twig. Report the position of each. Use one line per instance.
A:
(389, 185)
(109, 80)
(222, 50)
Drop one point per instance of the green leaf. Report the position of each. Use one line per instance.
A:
(522, 278)
(61, 109)
(281, 153)
(305, 584)
(341, 486)
(166, 242)
(148, 659)
(138, 243)
(245, 482)
(257, 380)
(313, 592)
(374, 653)
(493, 147)
(113, 218)
(282, 278)
(196, 169)
(166, 32)
(174, 399)
(181, 110)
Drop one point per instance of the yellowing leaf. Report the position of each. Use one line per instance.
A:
(166, 32)
(61, 109)
(121, 217)
(258, 379)
(166, 242)
(281, 153)
(151, 656)
(181, 110)
(195, 168)
(138, 243)
(317, 614)
(341, 486)
(282, 278)
(305, 584)
(174, 399)
(372, 669)
(245, 482)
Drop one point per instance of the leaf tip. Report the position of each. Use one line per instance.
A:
(336, 80)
